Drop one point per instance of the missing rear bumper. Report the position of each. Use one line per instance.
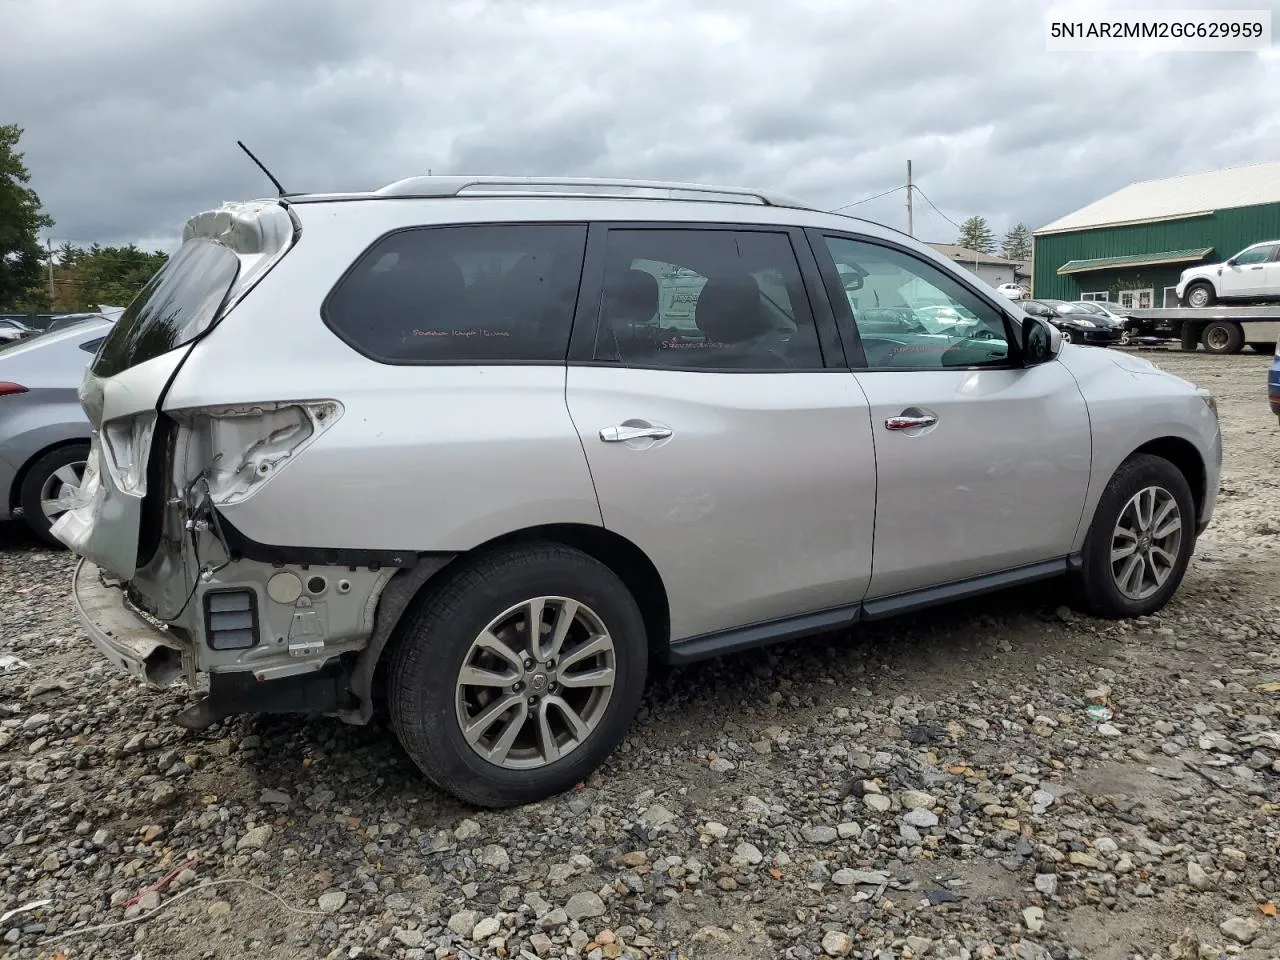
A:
(121, 634)
(324, 691)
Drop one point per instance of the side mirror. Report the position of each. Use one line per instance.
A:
(853, 283)
(1231, 261)
(1041, 341)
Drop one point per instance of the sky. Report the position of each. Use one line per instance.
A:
(132, 108)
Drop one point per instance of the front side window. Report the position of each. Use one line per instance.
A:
(910, 314)
(705, 300)
(1258, 254)
(467, 294)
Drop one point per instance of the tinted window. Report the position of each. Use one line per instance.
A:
(911, 314)
(176, 305)
(705, 299)
(478, 294)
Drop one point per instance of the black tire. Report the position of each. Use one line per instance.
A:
(1223, 336)
(1098, 590)
(1070, 335)
(423, 670)
(33, 482)
(1210, 297)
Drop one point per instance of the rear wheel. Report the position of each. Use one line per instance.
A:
(519, 675)
(49, 486)
(1140, 541)
(1222, 336)
(1200, 295)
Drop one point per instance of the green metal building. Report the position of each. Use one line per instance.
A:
(1130, 247)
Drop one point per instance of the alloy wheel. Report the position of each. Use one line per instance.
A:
(535, 683)
(1145, 543)
(59, 489)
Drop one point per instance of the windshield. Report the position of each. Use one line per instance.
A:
(175, 306)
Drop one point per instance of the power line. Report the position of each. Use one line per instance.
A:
(936, 210)
(846, 206)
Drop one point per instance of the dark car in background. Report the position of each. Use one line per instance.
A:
(1130, 329)
(1077, 325)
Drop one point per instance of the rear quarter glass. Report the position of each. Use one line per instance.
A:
(176, 305)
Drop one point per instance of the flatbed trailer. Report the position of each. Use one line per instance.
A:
(1219, 329)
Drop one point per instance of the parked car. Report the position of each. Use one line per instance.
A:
(71, 319)
(437, 439)
(1252, 274)
(1077, 326)
(1114, 314)
(1273, 381)
(44, 433)
(1014, 291)
(11, 330)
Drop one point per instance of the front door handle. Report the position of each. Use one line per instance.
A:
(908, 423)
(628, 431)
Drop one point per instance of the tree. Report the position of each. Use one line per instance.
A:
(976, 235)
(21, 220)
(1017, 243)
(85, 279)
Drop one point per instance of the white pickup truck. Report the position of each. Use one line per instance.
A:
(1252, 274)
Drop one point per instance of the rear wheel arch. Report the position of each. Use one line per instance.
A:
(410, 587)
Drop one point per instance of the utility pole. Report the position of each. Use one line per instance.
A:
(48, 245)
(910, 222)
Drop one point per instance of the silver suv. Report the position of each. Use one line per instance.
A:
(489, 446)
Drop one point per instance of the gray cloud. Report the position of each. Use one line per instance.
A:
(132, 108)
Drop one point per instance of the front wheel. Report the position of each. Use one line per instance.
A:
(1140, 541)
(1200, 295)
(519, 675)
(1070, 335)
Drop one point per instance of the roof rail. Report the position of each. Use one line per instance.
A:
(582, 187)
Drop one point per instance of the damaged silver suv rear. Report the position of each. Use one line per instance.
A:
(164, 589)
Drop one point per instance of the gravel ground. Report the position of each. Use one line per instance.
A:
(930, 787)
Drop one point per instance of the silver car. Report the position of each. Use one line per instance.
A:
(44, 434)
(492, 445)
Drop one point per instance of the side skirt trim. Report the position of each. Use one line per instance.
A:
(768, 632)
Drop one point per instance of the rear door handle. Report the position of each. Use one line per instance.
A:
(907, 423)
(626, 431)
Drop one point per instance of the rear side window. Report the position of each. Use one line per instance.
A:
(468, 294)
(699, 299)
(175, 306)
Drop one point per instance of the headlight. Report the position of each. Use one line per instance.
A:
(1081, 322)
(1209, 400)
